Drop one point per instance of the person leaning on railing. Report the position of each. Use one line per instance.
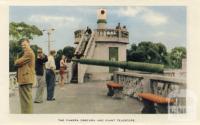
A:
(88, 31)
(124, 32)
(118, 29)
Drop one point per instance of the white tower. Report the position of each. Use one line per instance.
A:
(101, 18)
(103, 45)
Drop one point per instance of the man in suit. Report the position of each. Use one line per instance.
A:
(26, 76)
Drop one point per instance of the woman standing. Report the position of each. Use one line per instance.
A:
(69, 70)
(63, 67)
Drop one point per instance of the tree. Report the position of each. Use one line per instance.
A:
(68, 51)
(147, 51)
(34, 48)
(161, 52)
(23, 30)
(18, 31)
(133, 47)
(58, 58)
(176, 56)
(150, 52)
(136, 56)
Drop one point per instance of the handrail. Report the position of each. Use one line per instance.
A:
(135, 83)
(89, 44)
(87, 55)
(172, 80)
(77, 48)
(106, 32)
(13, 80)
(113, 33)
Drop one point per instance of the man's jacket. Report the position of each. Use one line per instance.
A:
(26, 68)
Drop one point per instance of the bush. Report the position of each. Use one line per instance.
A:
(148, 67)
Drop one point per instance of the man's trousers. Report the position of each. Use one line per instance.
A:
(50, 81)
(40, 89)
(26, 101)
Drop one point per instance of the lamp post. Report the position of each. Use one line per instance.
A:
(49, 32)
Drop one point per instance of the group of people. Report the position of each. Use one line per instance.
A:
(43, 67)
(121, 31)
(118, 27)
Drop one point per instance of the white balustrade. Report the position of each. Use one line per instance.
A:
(158, 84)
(13, 80)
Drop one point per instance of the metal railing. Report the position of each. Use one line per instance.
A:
(105, 35)
(112, 33)
(89, 45)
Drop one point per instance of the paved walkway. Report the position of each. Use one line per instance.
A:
(86, 98)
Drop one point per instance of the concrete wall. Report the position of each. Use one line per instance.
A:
(184, 64)
(101, 52)
(101, 26)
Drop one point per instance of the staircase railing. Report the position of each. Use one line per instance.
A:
(89, 45)
(85, 50)
(87, 55)
(80, 43)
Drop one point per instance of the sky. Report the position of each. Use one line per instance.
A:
(165, 24)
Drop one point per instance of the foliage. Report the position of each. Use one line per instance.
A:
(58, 58)
(34, 48)
(176, 56)
(157, 68)
(16, 32)
(150, 52)
(68, 51)
(23, 30)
